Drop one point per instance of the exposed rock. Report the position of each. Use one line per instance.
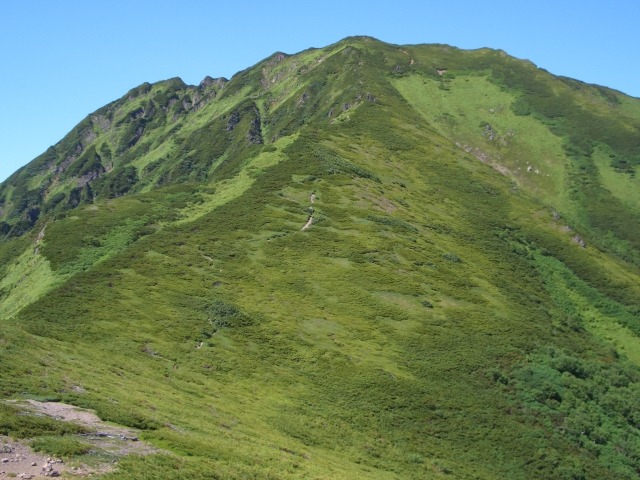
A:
(40, 236)
(234, 119)
(136, 136)
(206, 81)
(88, 136)
(219, 82)
(489, 132)
(137, 113)
(65, 164)
(254, 135)
(371, 98)
(579, 240)
(346, 106)
(89, 177)
(101, 121)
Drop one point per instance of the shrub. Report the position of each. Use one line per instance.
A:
(60, 446)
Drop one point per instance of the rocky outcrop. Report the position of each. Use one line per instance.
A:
(136, 135)
(254, 135)
(215, 82)
(234, 119)
(89, 177)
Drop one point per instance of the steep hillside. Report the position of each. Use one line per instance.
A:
(361, 261)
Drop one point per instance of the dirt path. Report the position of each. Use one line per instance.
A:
(18, 460)
(312, 199)
(308, 224)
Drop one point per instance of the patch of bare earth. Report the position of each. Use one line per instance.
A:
(108, 442)
(17, 460)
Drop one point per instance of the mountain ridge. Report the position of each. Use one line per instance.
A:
(363, 260)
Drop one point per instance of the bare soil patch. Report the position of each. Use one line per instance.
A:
(108, 443)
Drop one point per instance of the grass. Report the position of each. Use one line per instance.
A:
(226, 190)
(477, 115)
(26, 279)
(623, 185)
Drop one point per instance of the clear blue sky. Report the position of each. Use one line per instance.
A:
(61, 60)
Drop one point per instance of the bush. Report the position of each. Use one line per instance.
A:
(60, 446)
(452, 257)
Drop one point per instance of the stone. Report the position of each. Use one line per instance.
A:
(580, 241)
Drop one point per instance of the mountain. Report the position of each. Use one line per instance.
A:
(359, 261)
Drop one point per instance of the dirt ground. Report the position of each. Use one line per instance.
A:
(17, 460)
(108, 442)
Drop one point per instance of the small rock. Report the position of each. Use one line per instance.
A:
(5, 460)
(580, 241)
(34, 464)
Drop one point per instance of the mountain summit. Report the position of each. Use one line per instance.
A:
(359, 261)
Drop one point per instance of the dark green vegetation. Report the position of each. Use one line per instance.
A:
(463, 305)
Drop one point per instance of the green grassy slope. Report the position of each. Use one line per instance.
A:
(435, 320)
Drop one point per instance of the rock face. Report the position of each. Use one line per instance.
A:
(254, 135)
(206, 81)
(234, 119)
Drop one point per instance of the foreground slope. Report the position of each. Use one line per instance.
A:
(444, 314)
